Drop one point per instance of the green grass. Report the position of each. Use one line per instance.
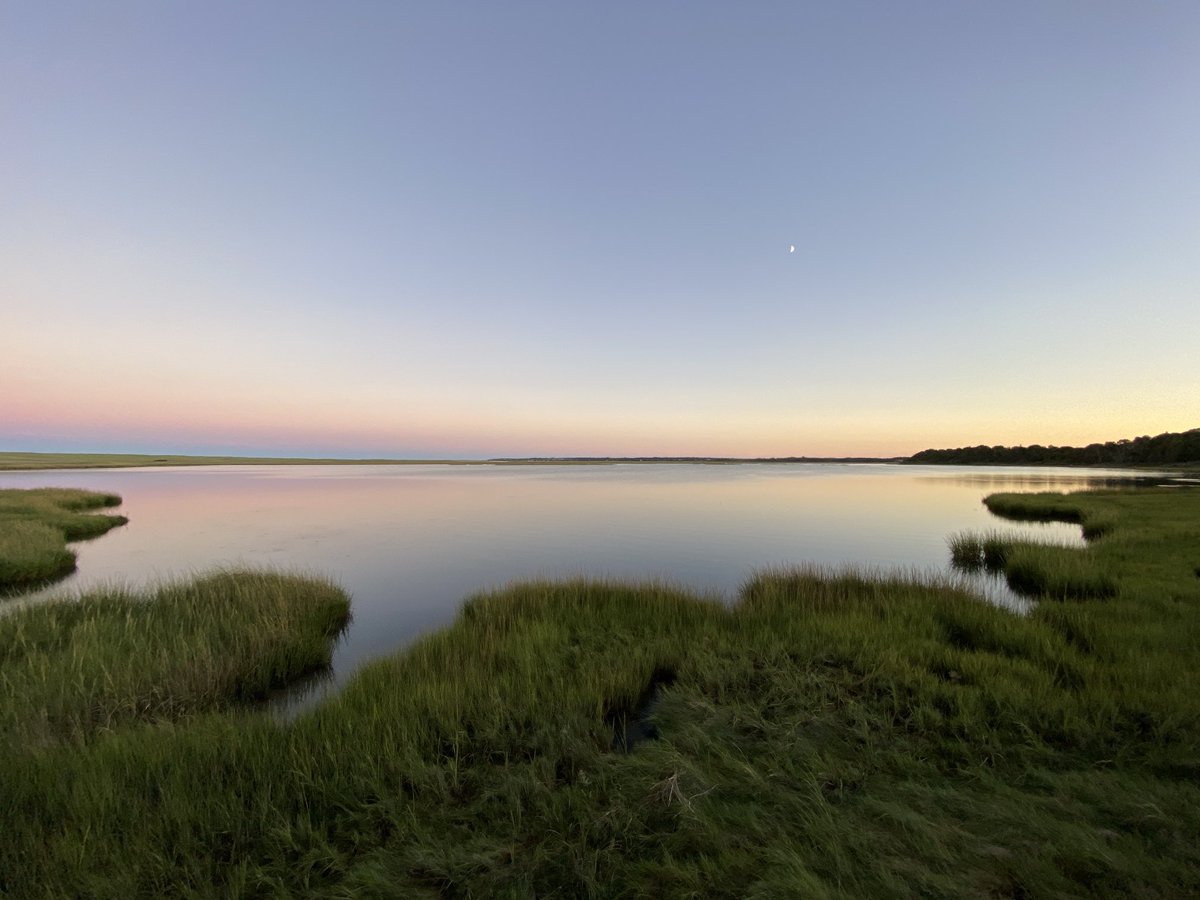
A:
(70, 668)
(1052, 507)
(833, 734)
(972, 551)
(1031, 568)
(35, 526)
(1061, 573)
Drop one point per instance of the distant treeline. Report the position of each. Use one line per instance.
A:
(696, 459)
(1163, 449)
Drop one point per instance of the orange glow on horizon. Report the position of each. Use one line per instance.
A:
(138, 412)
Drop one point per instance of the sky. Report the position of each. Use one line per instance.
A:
(469, 229)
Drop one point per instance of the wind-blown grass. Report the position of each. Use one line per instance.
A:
(834, 734)
(35, 526)
(70, 668)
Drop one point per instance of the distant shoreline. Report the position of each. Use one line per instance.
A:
(1171, 450)
(17, 461)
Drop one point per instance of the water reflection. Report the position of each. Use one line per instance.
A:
(1058, 481)
(411, 542)
(993, 588)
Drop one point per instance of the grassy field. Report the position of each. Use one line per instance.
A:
(833, 734)
(35, 526)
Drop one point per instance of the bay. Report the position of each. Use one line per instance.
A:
(411, 542)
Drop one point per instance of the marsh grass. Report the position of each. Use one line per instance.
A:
(1056, 573)
(1032, 568)
(974, 551)
(35, 526)
(833, 734)
(32, 553)
(1052, 507)
(71, 668)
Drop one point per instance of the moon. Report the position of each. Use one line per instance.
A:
(791, 248)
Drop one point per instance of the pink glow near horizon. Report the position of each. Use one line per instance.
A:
(149, 401)
(246, 228)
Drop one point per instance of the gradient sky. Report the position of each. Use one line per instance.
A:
(477, 229)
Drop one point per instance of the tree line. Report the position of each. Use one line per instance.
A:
(1162, 449)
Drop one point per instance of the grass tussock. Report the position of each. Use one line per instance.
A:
(35, 526)
(1033, 569)
(71, 668)
(1049, 506)
(1058, 573)
(834, 734)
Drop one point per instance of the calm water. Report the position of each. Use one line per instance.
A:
(410, 542)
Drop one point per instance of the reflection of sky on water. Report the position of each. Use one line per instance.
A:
(1058, 480)
(410, 542)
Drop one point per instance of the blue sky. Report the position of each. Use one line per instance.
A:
(540, 228)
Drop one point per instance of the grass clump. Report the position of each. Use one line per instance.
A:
(35, 526)
(971, 551)
(1049, 506)
(1049, 570)
(71, 668)
(833, 734)
(32, 553)
(1059, 573)
(1031, 568)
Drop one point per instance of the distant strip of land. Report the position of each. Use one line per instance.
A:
(1170, 449)
(20, 461)
(12, 461)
